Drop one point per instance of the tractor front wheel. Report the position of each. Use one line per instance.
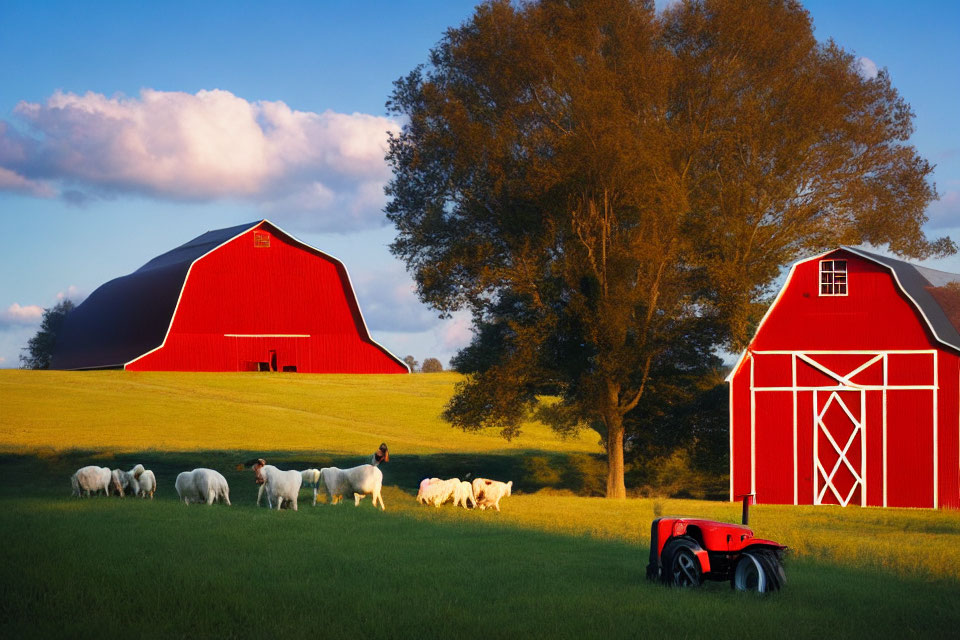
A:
(759, 571)
(681, 568)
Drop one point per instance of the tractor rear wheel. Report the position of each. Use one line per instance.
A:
(681, 568)
(759, 570)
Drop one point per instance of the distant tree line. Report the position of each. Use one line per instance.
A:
(430, 365)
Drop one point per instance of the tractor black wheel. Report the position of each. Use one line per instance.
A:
(681, 568)
(760, 571)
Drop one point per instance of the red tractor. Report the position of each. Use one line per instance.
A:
(686, 551)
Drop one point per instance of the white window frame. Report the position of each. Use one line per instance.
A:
(833, 284)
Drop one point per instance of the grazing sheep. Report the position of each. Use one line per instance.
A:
(426, 482)
(488, 493)
(311, 480)
(438, 491)
(148, 484)
(279, 485)
(356, 481)
(464, 495)
(121, 481)
(202, 485)
(91, 478)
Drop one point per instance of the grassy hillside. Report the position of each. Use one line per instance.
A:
(131, 411)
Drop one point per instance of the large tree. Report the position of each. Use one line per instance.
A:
(39, 350)
(604, 188)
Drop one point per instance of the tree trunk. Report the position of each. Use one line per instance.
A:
(615, 486)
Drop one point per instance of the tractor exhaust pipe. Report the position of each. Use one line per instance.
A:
(745, 519)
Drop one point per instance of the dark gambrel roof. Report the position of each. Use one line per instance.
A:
(130, 315)
(925, 287)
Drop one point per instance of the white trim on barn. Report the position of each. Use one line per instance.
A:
(266, 335)
(843, 383)
(730, 392)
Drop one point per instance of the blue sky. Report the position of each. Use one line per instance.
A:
(302, 86)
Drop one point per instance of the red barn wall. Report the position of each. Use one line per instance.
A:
(875, 316)
(241, 304)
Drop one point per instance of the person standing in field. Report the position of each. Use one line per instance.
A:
(380, 455)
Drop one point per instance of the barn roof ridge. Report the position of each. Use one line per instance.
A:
(915, 284)
(198, 247)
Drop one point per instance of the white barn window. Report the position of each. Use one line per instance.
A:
(833, 277)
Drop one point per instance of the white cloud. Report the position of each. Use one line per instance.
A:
(442, 340)
(13, 181)
(389, 301)
(72, 293)
(203, 146)
(17, 316)
(867, 68)
(457, 333)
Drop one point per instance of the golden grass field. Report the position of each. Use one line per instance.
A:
(42, 413)
(346, 414)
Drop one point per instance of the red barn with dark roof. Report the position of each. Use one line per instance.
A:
(247, 298)
(849, 393)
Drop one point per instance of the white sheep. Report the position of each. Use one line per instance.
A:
(356, 481)
(426, 482)
(202, 485)
(148, 484)
(278, 485)
(122, 481)
(488, 493)
(311, 480)
(438, 491)
(464, 495)
(91, 478)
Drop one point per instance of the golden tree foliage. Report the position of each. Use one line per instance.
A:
(606, 188)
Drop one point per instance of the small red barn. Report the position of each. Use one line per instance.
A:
(247, 298)
(850, 390)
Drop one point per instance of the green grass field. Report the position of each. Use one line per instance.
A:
(551, 565)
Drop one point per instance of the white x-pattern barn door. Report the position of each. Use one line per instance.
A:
(833, 415)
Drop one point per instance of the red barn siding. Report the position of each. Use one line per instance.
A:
(241, 302)
(781, 403)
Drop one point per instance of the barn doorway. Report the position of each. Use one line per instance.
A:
(856, 427)
(838, 445)
(288, 353)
